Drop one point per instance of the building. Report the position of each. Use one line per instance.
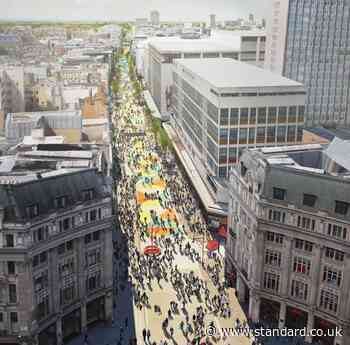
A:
(220, 107)
(287, 251)
(12, 98)
(67, 124)
(55, 252)
(162, 53)
(249, 43)
(141, 21)
(251, 19)
(306, 41)
(155, 18)
(212, 21)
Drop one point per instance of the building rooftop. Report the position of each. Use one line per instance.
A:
(230, 73)
(175, 45)
(240, 33)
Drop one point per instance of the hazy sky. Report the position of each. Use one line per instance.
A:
(130, 9)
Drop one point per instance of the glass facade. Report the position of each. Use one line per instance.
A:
(318, 55)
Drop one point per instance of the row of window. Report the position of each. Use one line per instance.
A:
(257, 94)
(340, 207)
(33, 211)
(305, 246)
(328, 299)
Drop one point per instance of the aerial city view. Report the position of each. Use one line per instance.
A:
(175, 173)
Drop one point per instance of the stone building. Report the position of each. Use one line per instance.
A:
(56, 274)
(288, 252)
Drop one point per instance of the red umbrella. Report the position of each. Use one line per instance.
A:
(222, 231)
(152, 250)
(212, 245)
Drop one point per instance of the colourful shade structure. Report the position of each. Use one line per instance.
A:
(212, 245)
(152, 250)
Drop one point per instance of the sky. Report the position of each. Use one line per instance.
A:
(126, 10)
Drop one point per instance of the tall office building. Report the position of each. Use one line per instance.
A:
(306, 41)
(212, 21)
(222, 106)
(251, 18)
(155, 17)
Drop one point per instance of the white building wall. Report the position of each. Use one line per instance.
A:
(276, 30)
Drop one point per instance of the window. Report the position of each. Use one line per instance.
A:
(334, 254)
(309, 200)
(96, 236)
(12, 293)
(93, 257)
(43, 257)
(42, 309)
(329, 301)
(341, 207)
(261, 115)
(67, 294)
(337, 231)
(88, 194)
(11, 267)
(66, 267)
(61, 202)
(10, 241)
(303, 245)
(279, 193)
(93, 215)
(61, 249)
(272, 257)
(87, 238)
(273, 237)
(277, 216)
(32, 211)
(93, 281)
(13, 317)
(332, 276)
(306, 223)
(41, 282)
(1, 317)
(301, 265)
(69, 245)
(299, 290)
(271, 281)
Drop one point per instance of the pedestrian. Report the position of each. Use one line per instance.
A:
(144, 334)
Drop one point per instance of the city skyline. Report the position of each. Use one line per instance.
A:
(115, 10)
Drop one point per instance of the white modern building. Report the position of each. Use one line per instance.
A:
(162, 53)
(308, 41)
(287, 251)
(222, 106)
(212, 21)
(155, 18)
(250, 43)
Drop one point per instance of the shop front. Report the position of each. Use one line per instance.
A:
(48, 336)
(269, 313)
(95, 311)
(328, 329)
(71, 325)
(296, 318)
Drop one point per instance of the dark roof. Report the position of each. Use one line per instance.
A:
(43, 191)
(330, 133)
